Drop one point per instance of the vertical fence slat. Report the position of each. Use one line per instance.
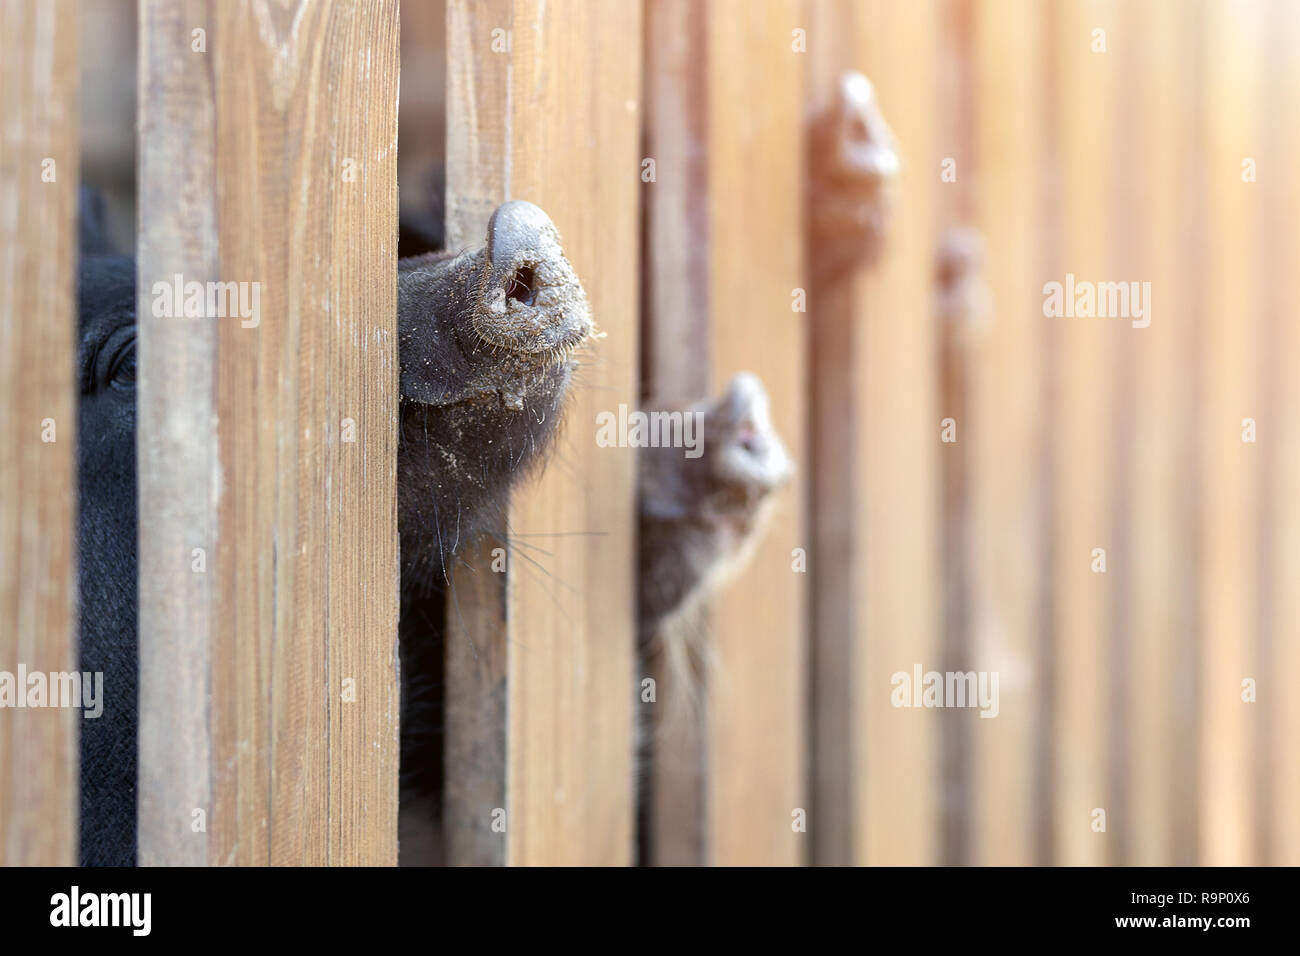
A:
(175, 443)
(38, 423)
(757, 718)
(834, 328)
(1228, 596)
(1082, 432)
(479, 125)
(899, 445)
(1281, 342)
(576, 104)
(268, 679)
(677, 346)
(1007, 429)
(1158, 625)
(554, 121)
(954, 320)
(676, 362)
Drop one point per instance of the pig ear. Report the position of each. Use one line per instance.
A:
(93, 230)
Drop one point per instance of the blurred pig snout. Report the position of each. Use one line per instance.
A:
(866, 150)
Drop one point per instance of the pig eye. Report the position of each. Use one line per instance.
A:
(121, 368)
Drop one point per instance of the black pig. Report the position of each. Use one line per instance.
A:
(700, 520)
(487, 342)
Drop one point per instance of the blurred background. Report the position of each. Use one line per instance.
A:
(1150, 142)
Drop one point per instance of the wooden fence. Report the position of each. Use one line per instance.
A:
(38, 423)
(244, 436)
(1099, 511)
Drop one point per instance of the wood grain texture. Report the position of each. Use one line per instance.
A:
(475, 712)
(1007, 429)
(554, 121)
(757, 717)
(269, 695)
(478, 129)
(575, 152)
(896, 515)
(38, 423)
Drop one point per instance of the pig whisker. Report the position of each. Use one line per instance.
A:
(511, 543)
(460, 617)
(539, 567)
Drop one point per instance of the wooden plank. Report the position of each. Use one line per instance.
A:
(1229, 553)
(38, 424)
(1158, 791)
(245, 667)
(478, 128)
(554, 121)
(1124, 254)
(577, 90)
(1082, 434)
(896, 516)
(1007, 429)
(756, 741)
(677, 346)
(1280, 202)
(956, 319)
(834, 328)
(475, 712)
(676, 364)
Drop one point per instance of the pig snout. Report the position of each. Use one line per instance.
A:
(863, 151)
(531, 301)
(853, 169)
(495, 319)
(487, 342)
(750, 453)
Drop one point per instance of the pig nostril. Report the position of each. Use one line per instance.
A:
(520, 286)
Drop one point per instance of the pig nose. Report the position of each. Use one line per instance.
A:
(531, 301)
(867, 143)
(743, 402)
(517, 229)
(745, 391)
